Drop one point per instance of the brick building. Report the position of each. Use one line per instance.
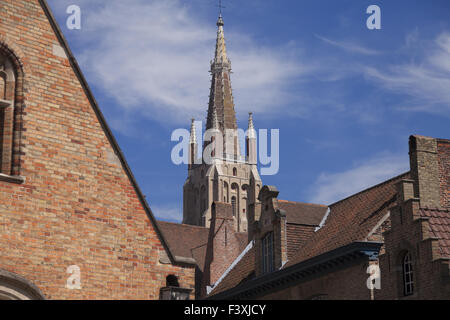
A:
(248, 244)
(391, 241)
(68, 200)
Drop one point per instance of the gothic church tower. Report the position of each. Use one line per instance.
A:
(230, 176)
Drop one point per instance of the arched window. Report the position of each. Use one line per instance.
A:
(10, 88)
(203, 199)
(408, 280)
(225, 192)
(233, 205)
(234, 172)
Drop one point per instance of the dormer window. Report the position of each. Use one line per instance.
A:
(267, 253)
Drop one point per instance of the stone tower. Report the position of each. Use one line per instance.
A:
(229, 176)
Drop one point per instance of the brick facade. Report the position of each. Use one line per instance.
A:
(399, 227)
(78, 203)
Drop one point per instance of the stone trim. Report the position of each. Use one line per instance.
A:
(13, 179)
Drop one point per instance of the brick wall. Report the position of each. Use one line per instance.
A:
(443, 147)
(77, 205)
(410, 233)
(348, 283)
(223, 244)
(425, 170)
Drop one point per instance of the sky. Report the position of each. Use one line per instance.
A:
(345, 98)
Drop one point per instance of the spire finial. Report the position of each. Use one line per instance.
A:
(193, 137)
(220, 12)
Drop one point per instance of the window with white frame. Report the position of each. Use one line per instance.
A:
(408, 280)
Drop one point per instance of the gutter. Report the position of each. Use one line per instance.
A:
(300, 272)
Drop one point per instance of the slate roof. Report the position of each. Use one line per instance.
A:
(440, 228)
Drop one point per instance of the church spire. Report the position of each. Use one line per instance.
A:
(221, 96)
(221, 48)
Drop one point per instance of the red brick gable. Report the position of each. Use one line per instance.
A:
(80, 204)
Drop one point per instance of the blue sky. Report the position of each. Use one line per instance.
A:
(344, 97)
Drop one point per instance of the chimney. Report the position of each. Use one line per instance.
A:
(223, 245)
(423, 157)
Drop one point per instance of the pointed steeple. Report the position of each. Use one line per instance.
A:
(221, 95)
(221, 48)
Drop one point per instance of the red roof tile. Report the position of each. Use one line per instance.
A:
(439, 221)
(303, 213)
(186, 241)
(297, 236)
(242, 271)
(351, 219)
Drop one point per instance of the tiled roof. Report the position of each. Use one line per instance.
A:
(303, 213)
(242, 238)
(189, 241)
(186, 241)
(297, 236)
(242, 271)
(351, 219)
(440, 228)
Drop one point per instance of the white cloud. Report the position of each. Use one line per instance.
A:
(153, 56)
(426, 83)
(349, 46)
(170, 213)
(331, 187)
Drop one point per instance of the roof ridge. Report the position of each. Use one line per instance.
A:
(305, 203)
(370, 188)
(427, 208)
(183, 224)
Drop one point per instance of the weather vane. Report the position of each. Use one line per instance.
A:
(220, 7)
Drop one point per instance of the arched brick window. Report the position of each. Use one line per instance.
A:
(11, 98)
(408, 279)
